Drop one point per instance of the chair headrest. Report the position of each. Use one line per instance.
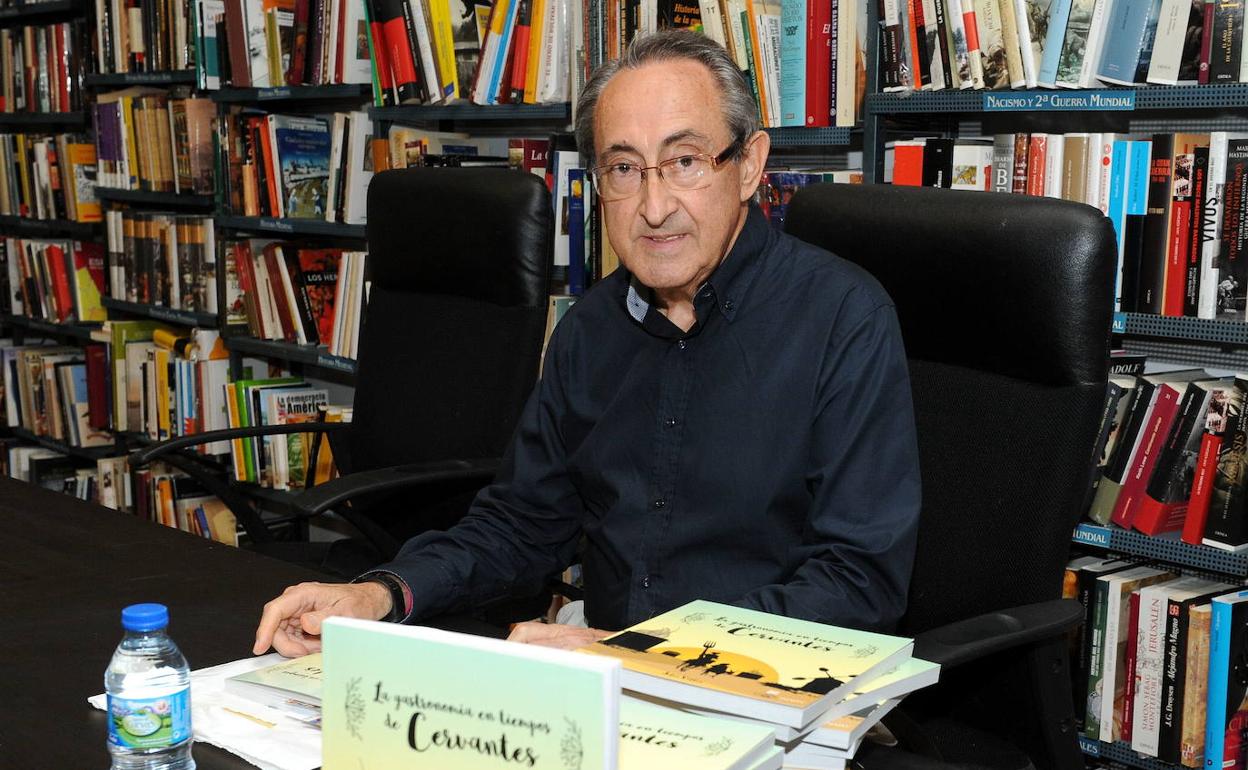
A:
(1011, 284)
(482, 233)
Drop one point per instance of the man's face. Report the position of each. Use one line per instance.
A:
(672, 240)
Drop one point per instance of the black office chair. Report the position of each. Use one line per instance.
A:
(1005, 305)
(449, 352)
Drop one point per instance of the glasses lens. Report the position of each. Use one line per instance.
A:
(685, 172)
(619, 180)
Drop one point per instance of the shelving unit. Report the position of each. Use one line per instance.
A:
(149, 198)
(1166, 547)
(50, 228)
(27, 120)
(309, 355)
(169, 315)
(125, 79)
(86, 453)
(291, 94)
(34, 326)
(289, 226)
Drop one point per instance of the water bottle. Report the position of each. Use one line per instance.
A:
(149, 695)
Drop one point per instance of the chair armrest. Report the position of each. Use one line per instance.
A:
(144, 456)
(967, 640)
(322, 497)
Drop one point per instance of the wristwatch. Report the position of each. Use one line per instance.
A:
(398, 601)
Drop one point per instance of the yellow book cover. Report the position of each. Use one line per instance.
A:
(82, 169)
(765, 666)
(444, 46)
(536, 32)
(298, 679)
(162, 394)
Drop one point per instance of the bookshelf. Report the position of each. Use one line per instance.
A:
(309, 355)
(291, 226)
(10, 121)
(1165, 547)
(127, 79)
(30, 327)
(166, 314)
(157, 199)
(49, 228)
(290, 94)
(86, 453)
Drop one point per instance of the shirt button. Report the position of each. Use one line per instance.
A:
(728, 306)
(645, 582)
(660, 503)
(670, 421)
(681, 344)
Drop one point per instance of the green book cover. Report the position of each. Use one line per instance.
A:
(247, 416)
(406, 696)
(653, 736)
(730, 659)
(1096, 661)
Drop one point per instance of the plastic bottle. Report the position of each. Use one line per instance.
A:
(149, 695)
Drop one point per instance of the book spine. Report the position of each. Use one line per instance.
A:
(1154, 254)
(1173, 674)
(1195, 226)
(1129, 662)
(1228, 34)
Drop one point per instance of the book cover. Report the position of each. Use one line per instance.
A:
(1124, 40)
(396, 696)
(1174, 663)
(1225, 525)
(1228, 34)
(1227, 718)
(1195, 687)
(776, 669)
(1074, 46)
(319, 268)
(303, 146)
(654, 736)
(88, 281)
(1233, 235)
(1113, 683)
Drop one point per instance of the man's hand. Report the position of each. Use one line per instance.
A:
(555, 635)
(291, 623)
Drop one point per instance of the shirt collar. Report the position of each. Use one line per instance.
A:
(730, 280)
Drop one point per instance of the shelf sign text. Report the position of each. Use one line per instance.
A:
(1120, 323)
(1092, 535)
(1060, 101)
(273, 93)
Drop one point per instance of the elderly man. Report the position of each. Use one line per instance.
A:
(726, 417)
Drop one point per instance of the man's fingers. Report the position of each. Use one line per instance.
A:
(290, 604)
(528, 632)
(311, 622)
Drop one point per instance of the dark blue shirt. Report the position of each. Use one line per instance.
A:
(765, 458)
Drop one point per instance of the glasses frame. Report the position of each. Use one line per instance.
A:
(716, 161)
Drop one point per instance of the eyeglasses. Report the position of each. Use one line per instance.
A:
(617, 181)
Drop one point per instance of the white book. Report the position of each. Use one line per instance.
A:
(1098, 166)
(257, 45)
(287, 288)
(358, 67)
(972, 166)
(955, 18)
(713, 21)
(1150, 657)
(1163, 66)
(846, 62)
(359, 169)
(1053, 165)
(340, 304)
(338, 138)
(929, 37)
(1096, 42)
(429, 67)
(1215, 185)
(1026, 41)
(1116, 619)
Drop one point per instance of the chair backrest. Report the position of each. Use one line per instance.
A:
(1005, 305)
(452, 333)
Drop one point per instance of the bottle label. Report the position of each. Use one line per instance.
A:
(150, 723)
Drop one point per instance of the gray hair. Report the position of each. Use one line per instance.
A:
(737, 99)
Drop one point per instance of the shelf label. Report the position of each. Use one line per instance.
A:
(1060, 101)
(1092, 535)
(172, 316)
(331, 362)
(1120, 323)
(1089, 746)
(273, 93)
(277, 224)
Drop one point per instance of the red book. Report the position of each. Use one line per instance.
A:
(1176, 249)
(1202, 489)
(62, 74)
(914, 8)
(285, 313)
(520, 47)
(1156, 429)
(381, 59)
(97, 387)
(1128, 700)
(299, 52)
(394, 15)
(1206, 45)
(1037, 158)
(62, 298)
(818, 63)
(908, 164)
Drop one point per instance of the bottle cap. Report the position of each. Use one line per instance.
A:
(144, 617)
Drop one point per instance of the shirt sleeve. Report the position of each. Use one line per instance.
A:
(519, 532)
(864, 474)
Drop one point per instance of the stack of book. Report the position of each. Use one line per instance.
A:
(816, 689)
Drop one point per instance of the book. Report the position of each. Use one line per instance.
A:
(1227, 716)
(654, 736)
(293, 687)
(726, 658)
(302, 147)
